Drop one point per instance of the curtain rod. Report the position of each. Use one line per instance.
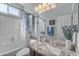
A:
(25, 11)
(16, 7)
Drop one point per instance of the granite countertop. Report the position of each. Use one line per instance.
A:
(45, 52)
(40, 51)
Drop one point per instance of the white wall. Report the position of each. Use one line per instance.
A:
(65, 20)
(61, 14)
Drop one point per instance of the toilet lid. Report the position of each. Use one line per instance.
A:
(22, 52)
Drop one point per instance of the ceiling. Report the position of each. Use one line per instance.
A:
(60, 10)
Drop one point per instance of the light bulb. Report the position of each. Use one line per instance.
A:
(44, 7)
(43, 10)
(36, 9)
(39, 7)
(53, 6)
(39, 11)
(47, 8)
(44, 4)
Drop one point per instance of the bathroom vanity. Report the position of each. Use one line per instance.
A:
(36, 51)
(41, 49)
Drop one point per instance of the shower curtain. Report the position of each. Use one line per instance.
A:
(9, 33)
(27, 27)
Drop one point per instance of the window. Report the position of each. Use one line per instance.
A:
(3, 8)
(9, 9)
(13, 10)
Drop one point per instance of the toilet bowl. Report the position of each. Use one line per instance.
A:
(23, 52)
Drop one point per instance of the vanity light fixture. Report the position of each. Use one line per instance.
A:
(44, 7)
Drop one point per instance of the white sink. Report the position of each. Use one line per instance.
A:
(51, 50)
(56, 51)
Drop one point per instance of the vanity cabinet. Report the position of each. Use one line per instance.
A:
(35, 53)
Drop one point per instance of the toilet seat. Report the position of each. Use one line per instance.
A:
(23, 52)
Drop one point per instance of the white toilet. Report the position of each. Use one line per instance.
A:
(23, 52)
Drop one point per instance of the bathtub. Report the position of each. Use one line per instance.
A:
(7, 46)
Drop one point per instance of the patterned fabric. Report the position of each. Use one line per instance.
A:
(50, 31)
(69, 30)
